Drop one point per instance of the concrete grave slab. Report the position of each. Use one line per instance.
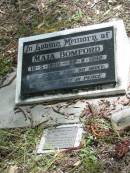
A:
(121, 58)
(55, 114)
(60, 113)
(8, 118)
(33, 115)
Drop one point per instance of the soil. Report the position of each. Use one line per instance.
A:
(102, 149)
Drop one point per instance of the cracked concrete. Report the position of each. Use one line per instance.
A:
(28, 116)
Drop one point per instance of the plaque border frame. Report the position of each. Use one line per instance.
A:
(121, 82)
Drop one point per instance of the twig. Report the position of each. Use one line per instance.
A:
(57, 111)
(19, 109)
(2, 11)
(93, 5)
(9, 82)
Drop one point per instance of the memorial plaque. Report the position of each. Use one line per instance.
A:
(83, 62)
(60, 138)
(71, 61)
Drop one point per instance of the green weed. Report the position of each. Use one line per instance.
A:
(5, 66)
(77, 17)
(90, 163)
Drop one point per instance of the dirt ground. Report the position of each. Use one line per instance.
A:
(102, 149)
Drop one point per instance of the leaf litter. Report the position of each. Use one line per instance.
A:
(102, 150)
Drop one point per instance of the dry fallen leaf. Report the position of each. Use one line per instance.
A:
(122, 148)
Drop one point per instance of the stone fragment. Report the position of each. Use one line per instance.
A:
(15, 169)
(9, 78)
(112, 2)
(121, 119)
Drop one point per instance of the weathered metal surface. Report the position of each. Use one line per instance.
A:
(60, 138)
